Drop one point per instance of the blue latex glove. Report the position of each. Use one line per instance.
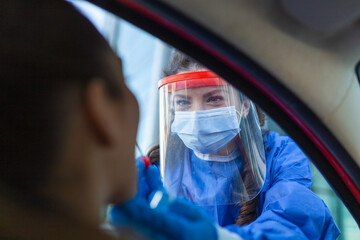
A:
(181, 220)
(149, 180)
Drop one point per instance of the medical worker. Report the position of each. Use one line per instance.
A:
(214, 153)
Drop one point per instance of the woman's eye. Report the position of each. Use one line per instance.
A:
(215, 99)
(182, 103)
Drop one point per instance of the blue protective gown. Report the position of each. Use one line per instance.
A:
(211, 184)
(287, 208)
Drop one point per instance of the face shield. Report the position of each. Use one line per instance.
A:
(211, 147)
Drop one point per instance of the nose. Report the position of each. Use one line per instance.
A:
(197, 106)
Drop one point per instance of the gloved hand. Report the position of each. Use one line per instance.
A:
(181, 220)
(149, 180)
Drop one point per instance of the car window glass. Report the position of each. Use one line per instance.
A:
(144, 58)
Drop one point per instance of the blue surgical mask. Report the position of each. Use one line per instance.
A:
(206, 131)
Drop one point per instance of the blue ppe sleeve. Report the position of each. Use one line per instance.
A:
(182, 220)
(287, 208)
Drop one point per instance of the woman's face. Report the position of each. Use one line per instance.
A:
(208, 98)
(201, 98)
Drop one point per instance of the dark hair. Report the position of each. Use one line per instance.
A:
(47, 49)
(179, 63)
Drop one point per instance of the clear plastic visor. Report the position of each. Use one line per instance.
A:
(211, 148)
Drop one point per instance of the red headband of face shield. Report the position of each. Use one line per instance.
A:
(191, 80)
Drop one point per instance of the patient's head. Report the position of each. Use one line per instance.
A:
(68, 122)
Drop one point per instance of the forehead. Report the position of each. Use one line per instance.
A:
(114, 68)
(199, 91)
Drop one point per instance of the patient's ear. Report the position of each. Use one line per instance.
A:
(99, 107)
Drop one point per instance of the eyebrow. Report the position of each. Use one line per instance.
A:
(182, 96)
(212, 92)
(204, 96)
